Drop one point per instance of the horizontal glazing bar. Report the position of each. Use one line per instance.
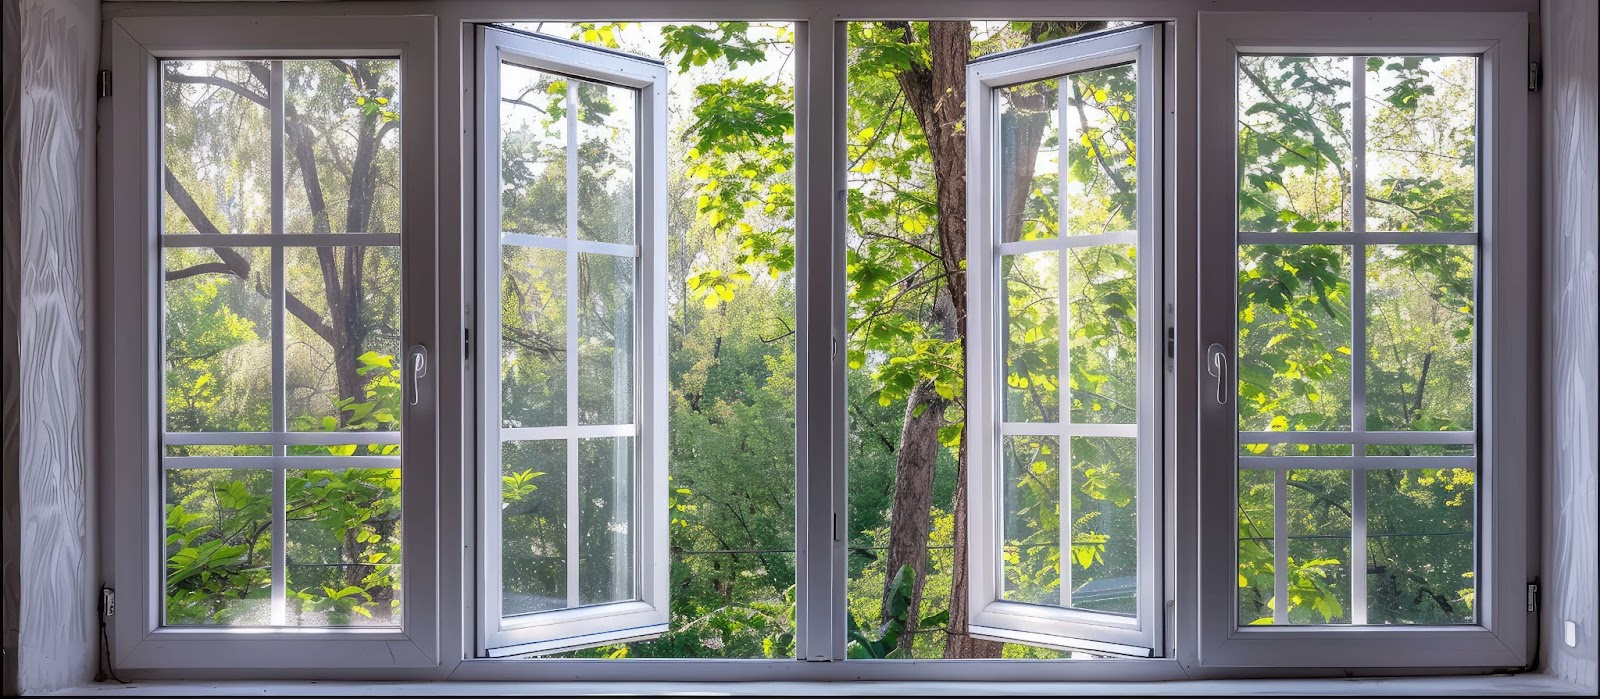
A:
(291, 240)
(1075, 241)
(285, 438)
(1352, 238)
(590, 246)
(1366, 463)
(280, 462)
(528, 434)
(1359, 438)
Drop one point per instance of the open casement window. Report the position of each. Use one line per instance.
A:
(1064, 367)
(572, 367)
(1364, 257)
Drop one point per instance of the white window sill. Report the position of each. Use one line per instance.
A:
(1529, 684)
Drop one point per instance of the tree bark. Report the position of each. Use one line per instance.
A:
(911, 517)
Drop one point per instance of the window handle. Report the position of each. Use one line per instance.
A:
(419, 369)
(1217, 366)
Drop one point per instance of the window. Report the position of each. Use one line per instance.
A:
(1064, 355)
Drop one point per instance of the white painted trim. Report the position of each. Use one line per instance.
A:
(277, 240)
(284, 438)
(1504, 451)
(993, 617)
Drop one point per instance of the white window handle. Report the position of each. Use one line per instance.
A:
(1217, 366)
(419, 369)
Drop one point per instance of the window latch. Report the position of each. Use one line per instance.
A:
(419, 369)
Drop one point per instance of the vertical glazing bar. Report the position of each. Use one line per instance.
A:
(572, 342)
(1063, 345)
(1358, 338)
(280, 525)
(1280, 547)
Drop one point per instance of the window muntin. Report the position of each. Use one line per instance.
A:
(280, 336)
(1357, 339)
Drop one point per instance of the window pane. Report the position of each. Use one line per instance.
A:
(1101, 134)
(1421, 143)
(605, 520)
(533, 522)
(533, 152)
(1420, 546)
(341, 146)
(1319, 569)
(1103, 333)
(1033, 336)
(218, 546)
(1294, 337)
(216, 138)
(1105, 525)
(1257, 544)
(217, 339)
(343, 547)
(1421, 371)
(605, 339)
(1294, 143)
(1029, 186)
(533, 337)
(343, 372)
(607, 145)
(1031, 545)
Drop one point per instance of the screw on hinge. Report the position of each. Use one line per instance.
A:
(103, 84)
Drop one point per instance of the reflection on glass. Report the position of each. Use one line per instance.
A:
(216, 147)
(1031, 351)
(1103, 333)
(1101, 139)
(1294, 337)
(1031, 540)
(341, 148)
(533, 152)
(217, 339)
(343, 549)
(218, 547)
(1420, 345)
(1105, 525)
(1421, 143)
(533, 337)
(1294, 143)
(533, 526)
(355, 387)
(605, 339)
(605, 520)
(606, 155)
(1029, 141)
(1420, 546)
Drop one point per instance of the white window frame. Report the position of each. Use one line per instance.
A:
(132, 227)
(1500, 639)
(992, 615)
(647, 616)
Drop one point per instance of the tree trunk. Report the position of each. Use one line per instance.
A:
(957, 642)
(910, 518)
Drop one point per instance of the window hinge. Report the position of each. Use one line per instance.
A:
(108, 603)
(1533, 597)
(103, 84)
(1533, 76)
(466, 345)
(836, 536)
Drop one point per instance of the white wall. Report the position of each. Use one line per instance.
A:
(51, 578)
(1572, 231)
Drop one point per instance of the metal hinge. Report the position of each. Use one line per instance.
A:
(103, 84)
(836, 536)
(1533, 597)
(108, 603)
(1533, 76)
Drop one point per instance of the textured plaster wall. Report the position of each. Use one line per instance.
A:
(50, 576)
(1572, 438)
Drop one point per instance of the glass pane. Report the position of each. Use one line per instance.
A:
(341, 146)
(218, 546)
(607, 145)
(1102, 138)
(1420, 546)
(217, 339)
(533, 337)
(1105, 525)
(1422, 143)
(605, 339)
(1029, 141)
(1257, 546)
(533, 152)
(533, 526)
(1103, 334)
(1421, 353)
(216, 139)
(1031, 348)
(343, 550)
(179, 450)
(1031, 543)
(605, 520)
(341, 359)
(1294, 143)
(1319, 546)
(1294, 337)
